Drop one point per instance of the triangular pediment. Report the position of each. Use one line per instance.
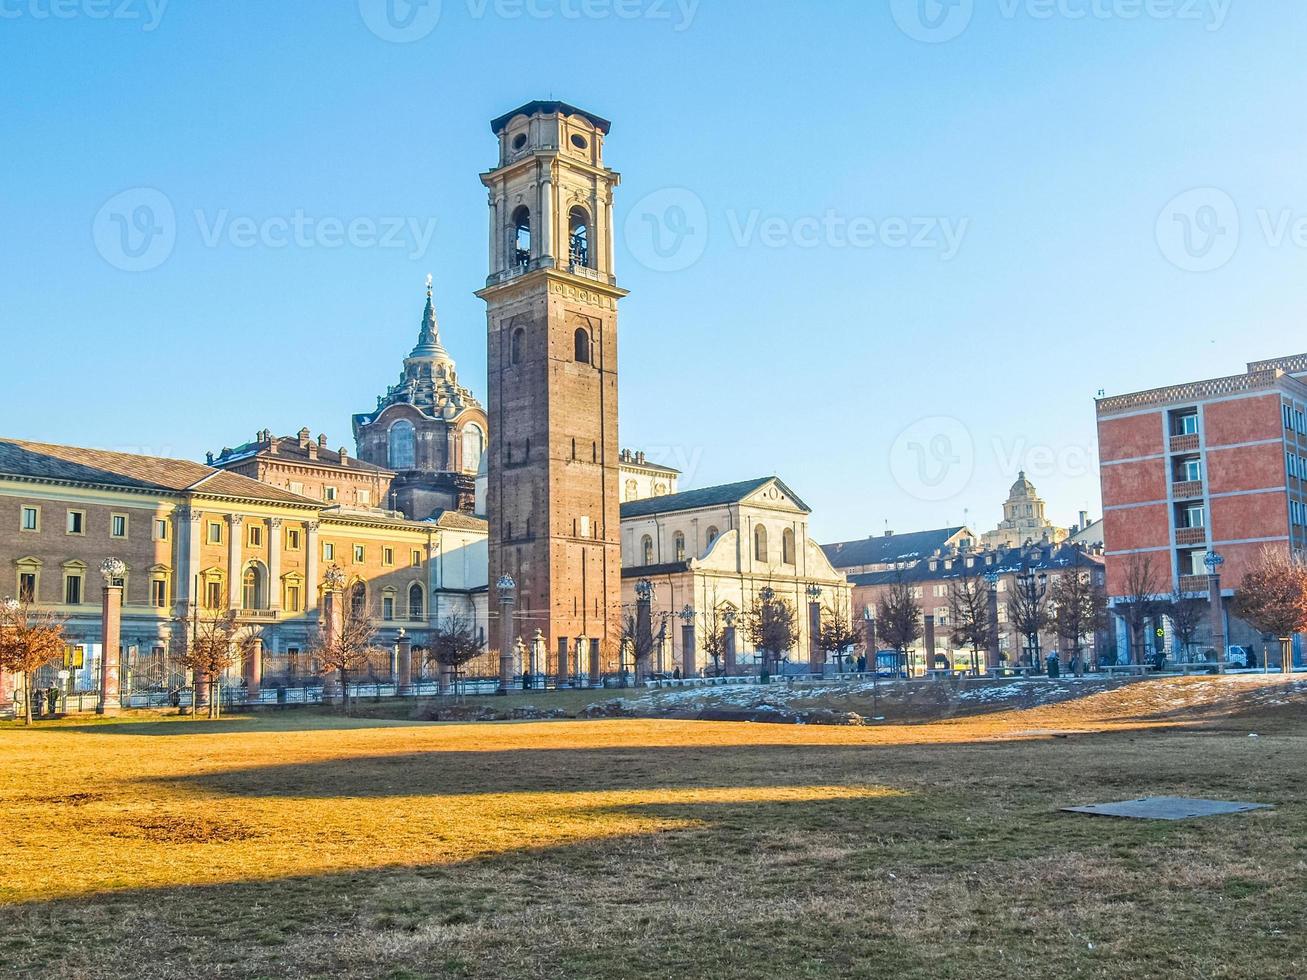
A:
(776, 495)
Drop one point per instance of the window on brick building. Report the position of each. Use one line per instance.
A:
(403, 446)
(31, 519)
(76, 522)
(581, 345)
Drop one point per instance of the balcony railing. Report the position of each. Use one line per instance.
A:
(1184, 444)
(1187, 489)
(1193, 583)
(1191, 535)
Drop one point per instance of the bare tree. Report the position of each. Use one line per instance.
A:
(898, 618)
(1027, 610)
(455, 642)
(712, 633)
(1079, 610)
(1140, 600)
(838, 633)
(970, 621)
(1273, 598)
(215, 643)
(771, 627)
(1186, 613)
(28, 641)
(348, 649)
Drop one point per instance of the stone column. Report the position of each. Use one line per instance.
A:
(643, 628)
(730, 648)
(688, 652)
(1216, 606)
(537, 656)
(506, 666)
(930, 642)
(816, 655)
(507, 595)
(189, 527)
(311, 555)
(546, 249)
(596, 670)
(332, 617)
(579, 659)
(111, 612)
(610, 234)
(7, 692)
(254, 668)
(235, 525)
(443, 674)
(563, 680)
(494, 234)
(404, 664)
(274, 563)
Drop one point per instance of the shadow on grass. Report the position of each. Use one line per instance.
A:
(279, 721)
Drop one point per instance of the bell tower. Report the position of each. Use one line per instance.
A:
(551, 310)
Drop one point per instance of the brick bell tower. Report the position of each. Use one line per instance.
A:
(551, 310)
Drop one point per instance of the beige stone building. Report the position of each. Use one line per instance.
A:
(196, 538)
(716, 548)
(1024, 521)
(641, 478)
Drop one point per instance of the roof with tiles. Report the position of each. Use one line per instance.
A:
(106, 468)
(727, 493)
(1037, 558)
(889, 549)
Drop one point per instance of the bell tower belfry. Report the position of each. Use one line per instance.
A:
(551, 310)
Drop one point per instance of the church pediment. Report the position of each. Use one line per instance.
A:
(775, 495)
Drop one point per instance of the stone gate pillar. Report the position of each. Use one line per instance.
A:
(254, 668)
(111, 612)
(404, 664)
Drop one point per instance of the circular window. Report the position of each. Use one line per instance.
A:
(519, 141)
(579, 141)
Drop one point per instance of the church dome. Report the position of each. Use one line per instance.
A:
(1022, 489)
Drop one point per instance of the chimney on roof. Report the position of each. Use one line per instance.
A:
(312, 449)
(344, 456)
(639, 457)
(208, 458)
(304, 437)
(272, 444)
(1084, 519)
(889, 534)
(322, 440)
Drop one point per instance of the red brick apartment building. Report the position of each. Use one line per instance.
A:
(1218, 465)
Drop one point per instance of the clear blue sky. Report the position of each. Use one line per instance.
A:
(1054, 143)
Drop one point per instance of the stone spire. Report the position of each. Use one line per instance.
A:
(428, 345)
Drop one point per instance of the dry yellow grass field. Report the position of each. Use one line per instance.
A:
(298, 845)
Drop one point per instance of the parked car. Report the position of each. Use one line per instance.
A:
(1240, 657)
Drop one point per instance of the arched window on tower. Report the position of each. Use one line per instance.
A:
(403, 446)
(516, 346)
(521, 236)
(646, 550)
(678, 543)
(474, 444)
(787, 546)
(712, 535)
(581, 342)
(578, 237)
(760, 543)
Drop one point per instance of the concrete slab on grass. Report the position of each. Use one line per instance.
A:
(1166, 808)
